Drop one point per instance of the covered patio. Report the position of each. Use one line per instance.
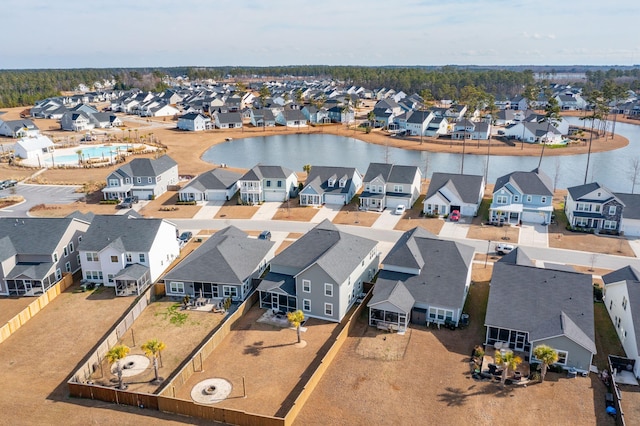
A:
(27, 279)
(390, 306)
(132, 280)
(278, 292)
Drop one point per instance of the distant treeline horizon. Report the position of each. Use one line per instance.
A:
(25, 87)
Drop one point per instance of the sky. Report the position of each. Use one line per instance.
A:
(166, 33)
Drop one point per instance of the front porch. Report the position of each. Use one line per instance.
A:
(372, 201)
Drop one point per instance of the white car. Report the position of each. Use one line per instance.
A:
(400, 209)
(503, 248)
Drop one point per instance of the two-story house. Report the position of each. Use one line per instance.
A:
(388, 186)
(35, 252)
(330, 185)
(145, 178)
(423, 279)
(193, 122)
(127, 252)
(522, 197)
(593, 207)
(267, 183)
(322, 273)
(221, 267)
(452, 191)
(630, 226)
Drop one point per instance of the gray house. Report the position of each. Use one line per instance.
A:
(522, 196)
(423, 279)
(388, 186)
(321, 273)
(34, 253)
(145, 178)
(592, 206)
(530, 306)
(330, 185)
(214, 185)
(223, 266)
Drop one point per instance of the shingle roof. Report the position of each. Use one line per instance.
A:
(214, 179)
(631, 205)
(319, 176)
(398, 295)
(466, 186)
(124, 232)
(227, 257)
(260, 172)
(147, 166)
(579, 191)
(32, 235)
(631, 277)
(544, 302)
(535, 182)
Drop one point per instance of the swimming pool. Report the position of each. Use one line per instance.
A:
(108, 152)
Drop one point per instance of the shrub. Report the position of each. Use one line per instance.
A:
(186, 203)
(109, 201)
(597, 293)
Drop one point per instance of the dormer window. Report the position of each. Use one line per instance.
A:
(343, 182)
(332, 182)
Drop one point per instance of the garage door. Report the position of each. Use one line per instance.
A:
(631, 227)
(393, 202)
(334, 199)
(419, 316)
(143, 195)
(274, 196)
(216, 195)
(532, 217)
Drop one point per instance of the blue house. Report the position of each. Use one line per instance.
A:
(522, 196)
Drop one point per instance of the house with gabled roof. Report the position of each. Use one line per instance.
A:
(422, 280)
(291, 118)
(105, 120)
(145, 178)
(389, 185)
(267, 183)
(193, 122)
(36, 252)
(630, 225)
(530, 306)
(214, 185)
(453, 191)
(522, 196)
(228, 120)
(437, 126)
(594, 207)
(76, 121)
(127, 252)
(622, 300)
(322, 273)
(223, 266)
(18, 128)
(330, 185)
(262, 118)
(33, 148)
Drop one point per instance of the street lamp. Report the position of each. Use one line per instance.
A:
(486, 259)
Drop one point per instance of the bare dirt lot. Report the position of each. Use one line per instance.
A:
(292, 210)
(11, 306)
(350, 215)
(165, 207)
(38, 359)
(269, 360)
(232, 210)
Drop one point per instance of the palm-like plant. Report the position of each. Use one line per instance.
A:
(153, 348)
(115, 355)
(372, 118)
(547, 356)
(296, 318)
(509, 361)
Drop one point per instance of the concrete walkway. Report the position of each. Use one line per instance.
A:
(387, 220)
(209, 210)
(267, 210)
(454, 229)
(328, 211)
(635, 245)
(534, 235)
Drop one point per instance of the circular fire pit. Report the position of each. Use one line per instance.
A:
(211, 391)
(131, 365)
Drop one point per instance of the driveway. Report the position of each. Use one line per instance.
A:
(328, 211)
(387, 220)
(534, 235)
(38, 194)
(267, 210)
(209, 210)
(457, 230)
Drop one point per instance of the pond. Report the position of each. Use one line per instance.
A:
(612, 168)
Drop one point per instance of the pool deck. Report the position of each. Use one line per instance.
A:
(47, 161)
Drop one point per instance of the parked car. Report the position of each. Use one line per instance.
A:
(185, 236)
(265, 235)
(454, 216)
(128, 202)
(503, 248)
(401, 209)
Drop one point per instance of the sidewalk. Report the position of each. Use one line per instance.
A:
(328, 211)
(534, 235)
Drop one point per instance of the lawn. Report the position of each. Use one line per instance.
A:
(350, 215)
(232, 210)
(165, 207)
(607, 341)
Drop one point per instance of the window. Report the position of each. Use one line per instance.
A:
(127, 180)
(380, 189)
(114, 182)
(78, 259)
(142, 258)
(624, 303)
(543, 200)
(582, 221)
(306, 305)
(92, 257)
(176, 287)
(71, 247)
(501, 199)
(93, 275)
(332, 182)
(279, 184)
(65, 251)
(128, 258)
(139, 180)
(612, 210)
(149, 180)
(343, 182)
(516, 198)
(268, 184)
(229, 291)
(529, 198)
(562, 357)
(328, 290)
(114, 259)
(397, 188)
(79, 238)
(110, 277)
(55, 257)
(610, 304)
(328, 309)
(619, 319)
(610, 224)
(58, 274)
(306, 286)
(67, 267)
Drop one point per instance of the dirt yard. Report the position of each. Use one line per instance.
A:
(38, 359)
(181, 335)
(232, 210)
(267, 357)
(11, 306)
(294, 211)
(433, 225)
(165, 207)
(500, 234)
(350, 215)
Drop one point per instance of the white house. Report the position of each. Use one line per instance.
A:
(193, 122)
(214, 185)
(330, 185)
(448, 192)
(127, 252)
(18, 128)
(33, 148)
(267, 183)
(145, 178)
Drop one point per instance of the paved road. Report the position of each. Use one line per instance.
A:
(38, 194)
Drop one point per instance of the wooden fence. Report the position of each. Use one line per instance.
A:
(617, 396)
(34, 307)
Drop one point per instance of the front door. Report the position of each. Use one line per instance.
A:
(520, 340)
(274, 302)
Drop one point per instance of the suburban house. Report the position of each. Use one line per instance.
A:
(105, 120)
(18, 128)
(316, 115)
(330, 185)
(388, 186)
(423, 279)
(223, 266)
(322, 273)
(291, 118)
(215, 185)
(437, 126)
(622, 300)
(35, 252)
(475, 130)
(193, 122)
(593, 207)
(534, 132)
(631, 215)
(76, 121)
(530, 306)
(267, 183)
(145, 178)
(453, 191)
(262, 118)
(33, 148)
(228, 120)
(127, 252)
(522, 197)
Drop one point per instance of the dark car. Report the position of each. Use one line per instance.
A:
(185, 236)
(265, 235)
(128, 202)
